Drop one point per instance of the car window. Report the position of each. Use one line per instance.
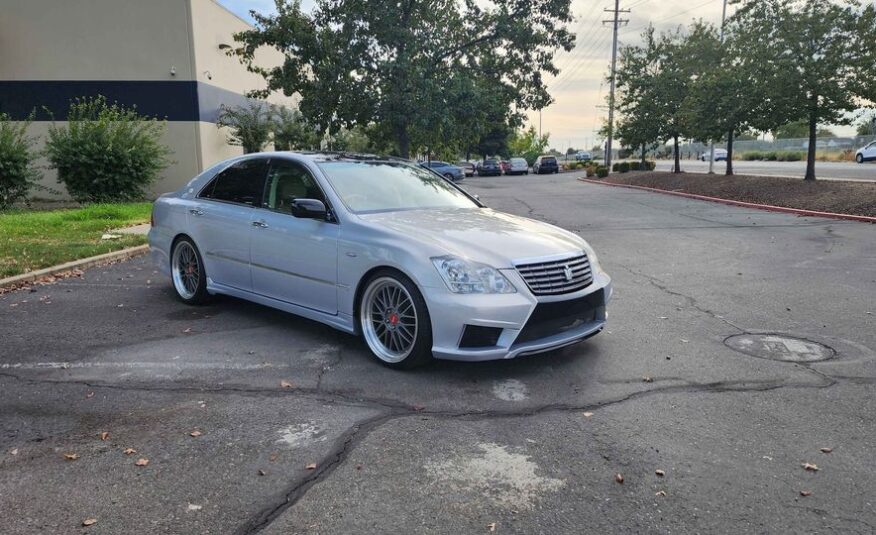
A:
(550, 159)
(242, 183)
(288, 181)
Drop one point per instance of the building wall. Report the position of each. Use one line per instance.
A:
(162, 55)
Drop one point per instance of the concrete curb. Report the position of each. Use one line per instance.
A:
(767, 207)
(83, 263)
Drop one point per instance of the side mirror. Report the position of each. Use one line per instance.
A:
(308, 209)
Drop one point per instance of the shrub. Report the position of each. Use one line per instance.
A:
(791, 156)
(624, 167)
(752, 156)
(635, 166)
(615, 167)
(771, 156)
(248, 126)
(651, 165)
(17, 171)
(602, 171)
(106, 153)
(591, 171)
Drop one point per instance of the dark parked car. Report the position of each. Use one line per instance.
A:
(545, 165)
(467, 167)
(450, 172)
(489, 167)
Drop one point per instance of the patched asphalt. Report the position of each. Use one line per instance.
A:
(299, 430)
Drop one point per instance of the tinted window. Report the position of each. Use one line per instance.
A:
(288, 181)
(242, 183)
(550, 159)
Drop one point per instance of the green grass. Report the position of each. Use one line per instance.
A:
(31, 240)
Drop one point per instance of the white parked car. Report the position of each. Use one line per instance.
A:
(583, 156)
(866, 153)
(382, 248)
(720, 155)
(517, 166)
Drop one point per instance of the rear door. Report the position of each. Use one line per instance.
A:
(220, 221)
(870, 151)
(294, 259)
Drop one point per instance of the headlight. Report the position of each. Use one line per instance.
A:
(464, 277)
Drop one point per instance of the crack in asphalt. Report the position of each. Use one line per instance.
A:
(828, 514)
(691, 301)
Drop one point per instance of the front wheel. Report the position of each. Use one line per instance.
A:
(859, 158)
(395, 322)
(187, 272)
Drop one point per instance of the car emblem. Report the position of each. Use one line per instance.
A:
(568, 272)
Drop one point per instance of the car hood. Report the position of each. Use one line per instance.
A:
(480, 234)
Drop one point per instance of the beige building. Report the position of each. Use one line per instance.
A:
(167, 57)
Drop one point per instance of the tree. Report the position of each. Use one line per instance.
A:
(813, 48)
(249, 126)
(528, 144)
(18, 172)
(867, 125)
(293, 132)
(799, 130)
(401, 64)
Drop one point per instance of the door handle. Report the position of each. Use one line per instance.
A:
(196, 211)
(260, 224)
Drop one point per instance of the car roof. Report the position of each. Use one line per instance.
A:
(328, 156)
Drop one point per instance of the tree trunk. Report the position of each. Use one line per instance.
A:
(404, 141)
(813, 129)
(677, 155)
(730, 153)
(644, 157)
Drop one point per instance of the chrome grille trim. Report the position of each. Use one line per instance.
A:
(549, 278)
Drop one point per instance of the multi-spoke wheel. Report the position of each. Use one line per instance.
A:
(394, 321)
(187, 270)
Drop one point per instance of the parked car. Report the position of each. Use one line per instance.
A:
(545, 164)
(866, 153)
(468, 168)
(517, 166)
(583, 156)
(450, 172)
(383, 249)
(720, 155)
(489, 167)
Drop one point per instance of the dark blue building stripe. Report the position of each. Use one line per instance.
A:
(177, 100)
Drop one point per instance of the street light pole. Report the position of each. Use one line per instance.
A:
(712, 146)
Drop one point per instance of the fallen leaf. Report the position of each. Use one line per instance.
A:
(187, 331)
(285, 384)
(89, 522)
(619, 478)
(71, 456)
(195, 433)
(311, 466)
(274, 456)
(662, 317)
(648, 379)
(419, 408)
(13, 451)
(262, 473)
(805, 493)
(129, 451)
(89, 395)
(811, 467)
(142, 461)
(826, 450)
(194, 507)
(683, 341)
(660, 473)
(660, 493)
(588, 414)
(492, 527)
(104, 435)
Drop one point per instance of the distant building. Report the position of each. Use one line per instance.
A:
(167, 57)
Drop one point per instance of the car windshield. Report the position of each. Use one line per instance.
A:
(549, 159)
(390, 186)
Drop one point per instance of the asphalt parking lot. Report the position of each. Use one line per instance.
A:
(705, 396)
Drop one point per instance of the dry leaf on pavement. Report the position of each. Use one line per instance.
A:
(89, 395)
(262, 473)
(805, 493)
(648, 379)
(195, 433)
(311, 466)
(104, 435)
(71, 456)
(826, 450)
(89, 522)
(285, 384)
(130, 451)
(588, 414)
(142, 461)
(660, 473)
(619, 478)
(660, 493)
(811, 467)
(13, 451)
(492, 527)
(187, 330)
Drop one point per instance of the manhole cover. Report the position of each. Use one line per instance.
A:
(778, 347)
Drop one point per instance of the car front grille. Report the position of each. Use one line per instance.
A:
(558, 317)
(557, 277)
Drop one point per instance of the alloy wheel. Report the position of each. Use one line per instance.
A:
(389, 320)
(186, 270)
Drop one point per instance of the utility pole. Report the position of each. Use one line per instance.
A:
(712, 145)
(615, 22)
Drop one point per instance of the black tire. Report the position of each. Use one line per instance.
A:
(187, 290)
(415, 354)
(448, 176)
(859, 158)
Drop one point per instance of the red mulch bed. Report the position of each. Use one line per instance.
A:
(856, 198)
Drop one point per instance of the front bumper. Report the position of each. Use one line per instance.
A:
(515, 315)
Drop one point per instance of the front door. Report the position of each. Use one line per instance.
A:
(294, 259)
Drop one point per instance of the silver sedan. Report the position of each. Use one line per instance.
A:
(381, 248)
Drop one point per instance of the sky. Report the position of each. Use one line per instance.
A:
(580, 90)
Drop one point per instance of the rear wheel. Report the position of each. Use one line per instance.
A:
(859, 158)
(395, 322)
(187, 272)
